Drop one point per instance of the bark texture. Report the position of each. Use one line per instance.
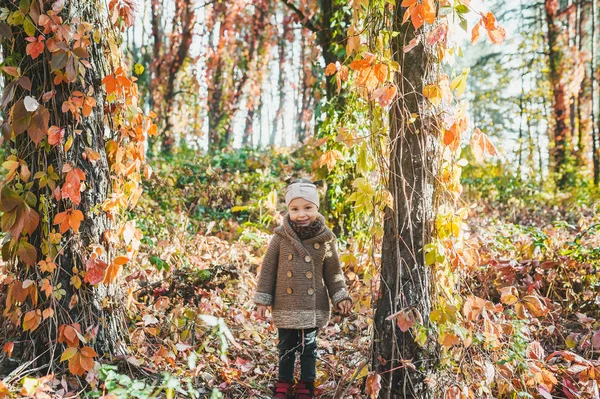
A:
(405, 279)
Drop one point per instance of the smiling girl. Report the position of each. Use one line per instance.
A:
(299, 275)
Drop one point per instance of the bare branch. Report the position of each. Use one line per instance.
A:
(304, 20)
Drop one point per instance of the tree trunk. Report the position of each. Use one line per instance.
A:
(278, 121)
(405, 280)
(595, 123)
(99, 307)
(560, 101)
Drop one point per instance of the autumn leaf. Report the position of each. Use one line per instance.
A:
(48, 313)
(412, 44)
(331, 69)
(69, 334)
(95, 269)
(433, 93)
(509, 295)
(475, 33)
(481, 146)
(438, 34)
(55, 135)
(8, 348)
(72, 187)
(384, 95)
(330, 158)
(459, 83)
(27, 253)
(69, 219)
(31, 320)
(373, 384)
(124, 9)
(38, 126)
(35, 46)
(535, 306)
(46, 287)
(115, 267)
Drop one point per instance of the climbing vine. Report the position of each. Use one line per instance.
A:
(76, 135)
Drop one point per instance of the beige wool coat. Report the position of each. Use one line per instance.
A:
(298, 277)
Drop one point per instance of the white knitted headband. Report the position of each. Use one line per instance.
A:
(307, 191)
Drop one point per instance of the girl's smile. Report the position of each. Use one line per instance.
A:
(302, 212)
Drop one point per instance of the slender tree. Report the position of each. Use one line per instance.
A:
(405, 279)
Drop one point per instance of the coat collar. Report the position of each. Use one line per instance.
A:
(286, 231)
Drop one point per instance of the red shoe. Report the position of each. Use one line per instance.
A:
(305, 390)
(283, 390)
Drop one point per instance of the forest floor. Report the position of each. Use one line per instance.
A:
(191, 313)
(539, 244)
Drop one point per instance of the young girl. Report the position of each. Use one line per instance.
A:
(299, 274)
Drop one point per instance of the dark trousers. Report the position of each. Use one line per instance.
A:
(292, 341)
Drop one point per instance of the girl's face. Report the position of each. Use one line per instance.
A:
(302, 211)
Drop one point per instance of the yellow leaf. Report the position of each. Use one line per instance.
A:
(459, 83)
(68, 144)
(68, 353)
(433, 93)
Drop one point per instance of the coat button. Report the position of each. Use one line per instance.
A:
(310, 291)
(289, 291)
(309, 274)
(307, 259)
(317, 245)
(290, 257)
(289, 274)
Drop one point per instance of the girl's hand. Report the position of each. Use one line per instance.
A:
(262, 311)
(345, 306)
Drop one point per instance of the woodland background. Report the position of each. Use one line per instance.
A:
(144, 149)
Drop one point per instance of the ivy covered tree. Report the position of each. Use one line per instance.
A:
(75, 138)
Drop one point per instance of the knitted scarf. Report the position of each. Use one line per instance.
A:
(310, 231)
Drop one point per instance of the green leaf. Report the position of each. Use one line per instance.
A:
(16, 18)
(463, 22)
(29, 27)
(24, 7)
(461, 9)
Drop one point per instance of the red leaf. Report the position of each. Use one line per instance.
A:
(35, 46)
(95, 270)
(124, 9)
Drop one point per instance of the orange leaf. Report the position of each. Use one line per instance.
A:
(535, 306)
(55, 135)
(331, 69)
(8, 348)
(482, 146)
(111, 273)
(32, 320)
(330, 158)
(385, 95)
(46, 287)
(71, 218)
(67, 333)
(35, 46)
(475, 33)
(75, 365)
(48, 313)
(380, 71)
(509, 295)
